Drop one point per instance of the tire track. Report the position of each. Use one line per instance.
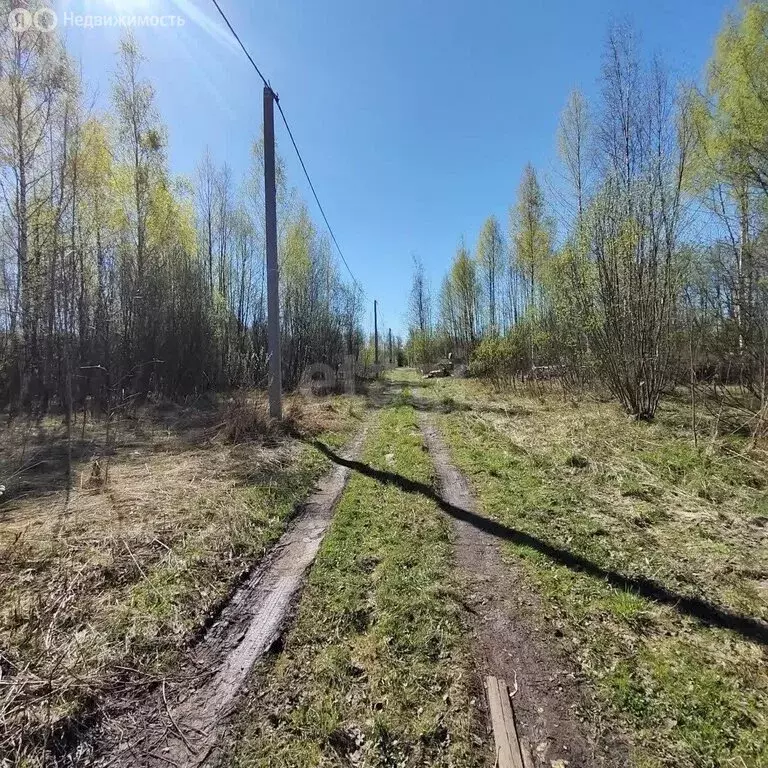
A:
(182, 723)
(511, 641)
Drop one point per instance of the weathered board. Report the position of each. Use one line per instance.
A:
(503, 721)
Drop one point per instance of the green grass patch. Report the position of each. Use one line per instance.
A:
(690, 696)
(375, 671)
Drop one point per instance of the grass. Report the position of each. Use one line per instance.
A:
(640, 500)
(376, 670)
(103, 587)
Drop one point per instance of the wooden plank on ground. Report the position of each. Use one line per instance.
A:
(525, 751)
(503, 722)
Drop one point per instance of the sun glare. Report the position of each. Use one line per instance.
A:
(126, 6)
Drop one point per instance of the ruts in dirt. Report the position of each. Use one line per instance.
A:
(511, 639)
(182, 723)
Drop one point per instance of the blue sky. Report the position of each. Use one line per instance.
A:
(415, 118)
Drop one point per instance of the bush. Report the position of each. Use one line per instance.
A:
(245, 421)
(500, 359)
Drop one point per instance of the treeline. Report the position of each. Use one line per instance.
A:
(118, 280)
(648, 266)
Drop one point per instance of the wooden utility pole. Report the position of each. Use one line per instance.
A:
(273, 276)
(390, 346)
(375, 332)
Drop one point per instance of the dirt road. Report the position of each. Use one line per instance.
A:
(182, 722)
(510, 637)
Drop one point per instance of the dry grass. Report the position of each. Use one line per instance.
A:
(647, 502)
(105, 580)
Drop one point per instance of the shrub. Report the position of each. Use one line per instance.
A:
(500, 359)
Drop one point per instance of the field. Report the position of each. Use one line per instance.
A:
(105, 580)
(636, 557)
(647, 554)
(650, 552)
(376, 671)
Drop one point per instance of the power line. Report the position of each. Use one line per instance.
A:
(317, 199)
(245, 50)
(293, 141)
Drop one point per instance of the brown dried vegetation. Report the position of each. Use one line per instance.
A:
(111, 564)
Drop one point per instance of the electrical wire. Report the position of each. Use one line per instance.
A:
(245, 50)
(317, 199)
(293, 141)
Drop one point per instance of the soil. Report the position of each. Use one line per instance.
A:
(552, 706)
(182, 721)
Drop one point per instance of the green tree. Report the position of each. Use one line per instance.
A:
(490, 261)
(459, 298)
(729, 173)
(531, 233)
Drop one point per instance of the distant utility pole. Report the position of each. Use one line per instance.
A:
(375, 332)
(390, 346)
(273, 276)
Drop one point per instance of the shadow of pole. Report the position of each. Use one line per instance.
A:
(705, 612)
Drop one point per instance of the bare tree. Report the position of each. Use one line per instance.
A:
(420, 315)
(574, 146)
(634, 227)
